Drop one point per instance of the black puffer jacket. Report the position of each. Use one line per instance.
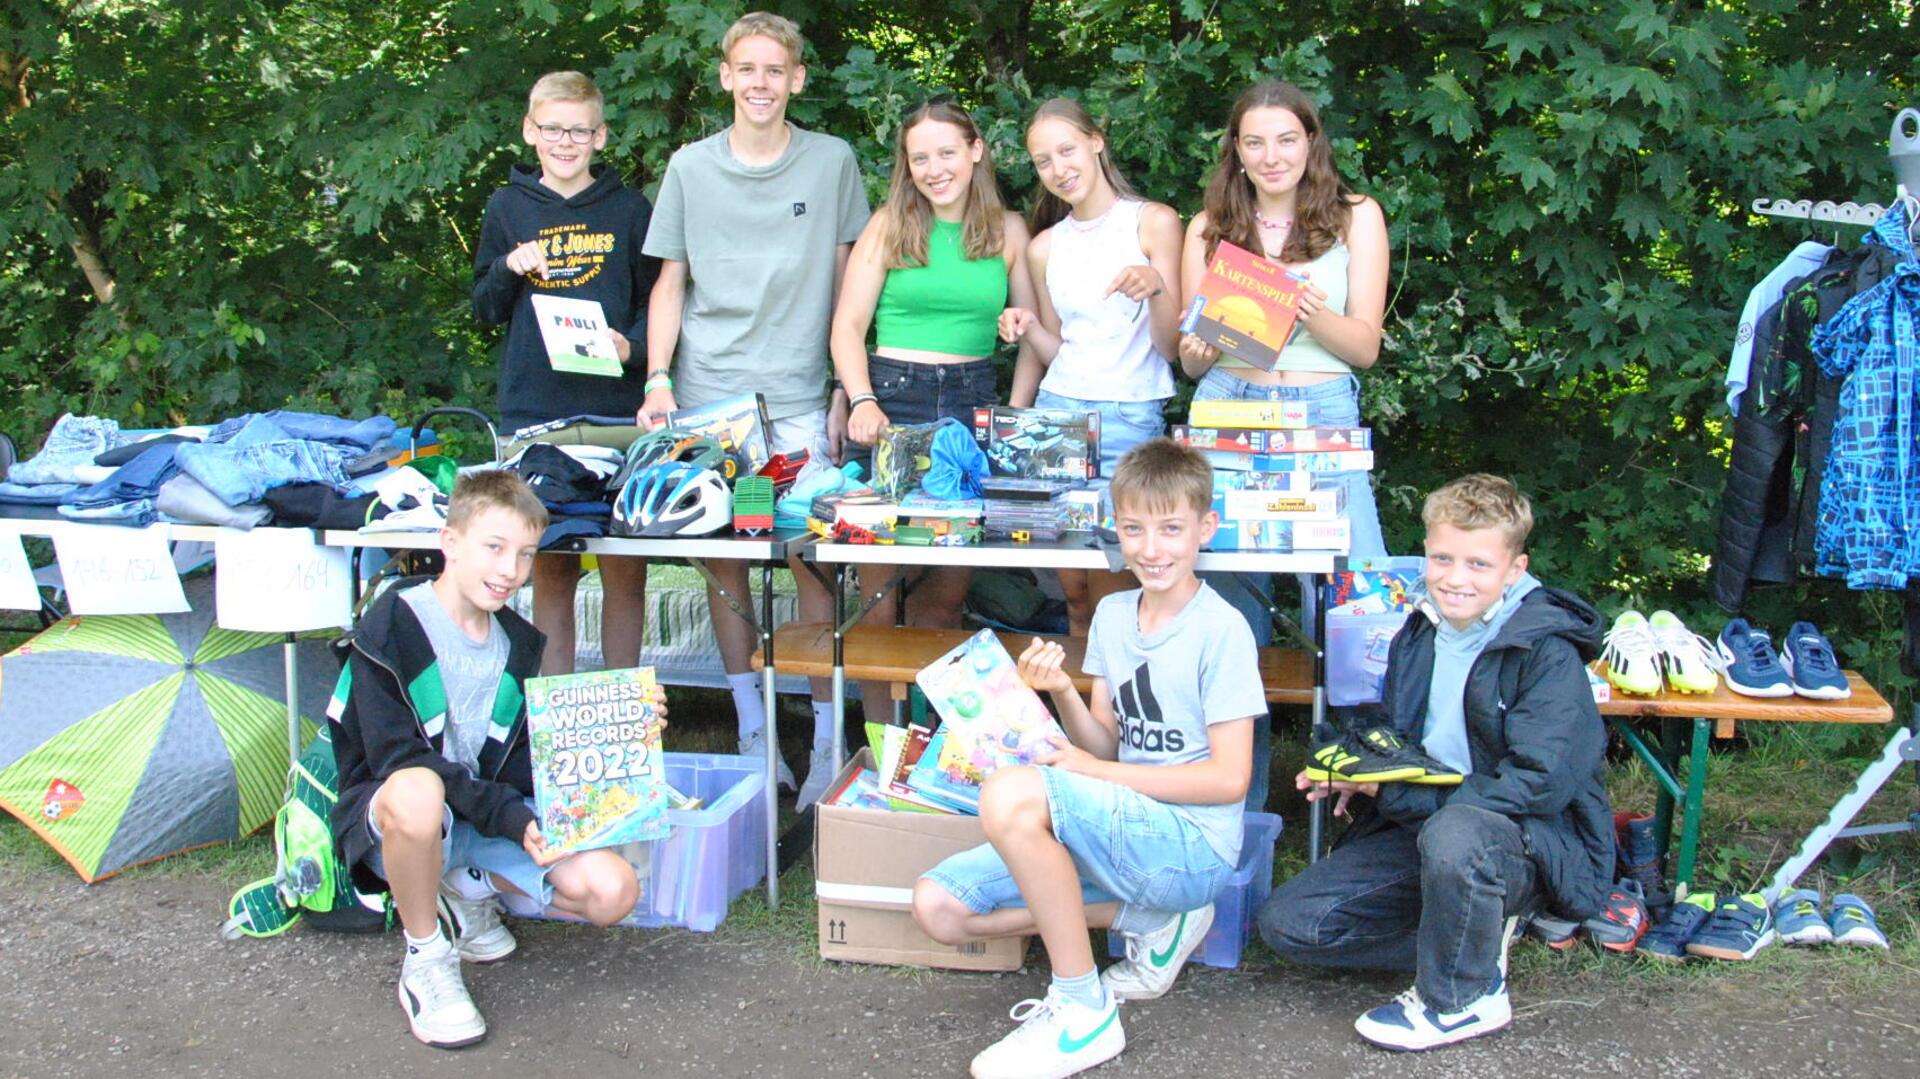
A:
(1537, 741)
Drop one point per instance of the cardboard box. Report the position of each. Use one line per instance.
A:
(865, 862)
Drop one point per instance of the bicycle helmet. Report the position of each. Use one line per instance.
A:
(666, 444)
(673, 498)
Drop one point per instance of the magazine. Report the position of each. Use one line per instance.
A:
(599, 777)
(1246, 306)
(575, 333)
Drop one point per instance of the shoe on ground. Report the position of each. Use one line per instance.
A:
(1668, 940)
(1553, 931)
(1622, 922)
(820, 773)
(1154, 959)
(439, 1011)
(1637, 858)
(1632, 655)
(1686, 658)
(473, 925)
(1408, 1024)
(1375, 755)
(1748, 662)
(1056, 1038)
(1810, 666)
(753, 746)
(1797, 918)
(1853, 923)
(1741, 925)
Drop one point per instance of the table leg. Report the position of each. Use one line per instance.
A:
(768, 677)
(1317, 812)
(292, 651)
(840, 661)
(1692, 807)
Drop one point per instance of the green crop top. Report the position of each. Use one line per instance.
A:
(952, 304)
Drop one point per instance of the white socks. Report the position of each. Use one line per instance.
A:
(823, 723)
(747, 704)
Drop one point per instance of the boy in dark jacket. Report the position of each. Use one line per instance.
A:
(1488, 679)
(429, 733)
(570, 229)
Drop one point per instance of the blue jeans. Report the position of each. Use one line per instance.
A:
(1123, 424)
(240, 473)
(137, 479)
(1333, 403)
(362, 435)
(914, 393)
(1127, 847)
(67, 456)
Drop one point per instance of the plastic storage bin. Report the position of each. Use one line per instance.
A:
(1239, 902)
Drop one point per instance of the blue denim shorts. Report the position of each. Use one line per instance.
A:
(913, 393)
(1127, 847)
(462, 845)
(1123, 424)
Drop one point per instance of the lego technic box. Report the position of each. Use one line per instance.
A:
(1039, 443)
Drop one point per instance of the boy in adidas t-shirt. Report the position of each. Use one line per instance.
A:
(1487, 678)
(1135, 823)
(436, 780)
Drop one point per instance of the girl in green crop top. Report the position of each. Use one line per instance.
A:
(930, 274)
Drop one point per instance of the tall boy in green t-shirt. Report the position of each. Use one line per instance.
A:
(753, 226)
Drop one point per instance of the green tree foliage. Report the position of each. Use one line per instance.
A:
(245, 203)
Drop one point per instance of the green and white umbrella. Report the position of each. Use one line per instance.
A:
(126, 738)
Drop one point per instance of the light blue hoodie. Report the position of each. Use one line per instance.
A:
(1444, 736)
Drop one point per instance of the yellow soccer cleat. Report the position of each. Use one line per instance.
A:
(1632, 655)
(1686, 658)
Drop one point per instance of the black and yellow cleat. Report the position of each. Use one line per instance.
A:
(1376, 755)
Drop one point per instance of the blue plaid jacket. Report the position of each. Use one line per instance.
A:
(1870, 494)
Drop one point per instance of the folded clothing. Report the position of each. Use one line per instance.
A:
(187, 500)
(558, 477)
(138, 479)
(120, 455)
(67, 456)
(39, 494)
(315, 505)
(359, 435)
(246, 467)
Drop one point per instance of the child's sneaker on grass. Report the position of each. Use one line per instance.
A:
(1056, 1038)
(1810, 666)
(473, 924)
(434, 996)
(1668, 940)
(1748, 661)
(1622, 922)
(1741, 925)
(1797, 918)
(1408, 1024)
(1685, 656)
(1553, 931)
(1853, 923)
(1637, 858)
(1154, 959)
(1632, 655)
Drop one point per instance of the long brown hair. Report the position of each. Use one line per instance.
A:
(1049, 208)
(909, 215)
(1322, 204)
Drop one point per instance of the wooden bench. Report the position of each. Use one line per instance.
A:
(895, 654)
(1714, 715)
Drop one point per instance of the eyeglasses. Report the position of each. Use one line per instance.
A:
(552, 133)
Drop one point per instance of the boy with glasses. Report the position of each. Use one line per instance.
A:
(569, 228)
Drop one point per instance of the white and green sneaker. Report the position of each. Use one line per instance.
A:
(1154, 959)
(1057, 1038)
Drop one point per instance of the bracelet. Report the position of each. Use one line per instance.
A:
(658, 380)
(859, 399)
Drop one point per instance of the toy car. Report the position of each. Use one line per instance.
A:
(782, 468)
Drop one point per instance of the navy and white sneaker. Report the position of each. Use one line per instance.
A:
(1797, 918)
(1407, 1024)
(1811, 667)
(1749, 664)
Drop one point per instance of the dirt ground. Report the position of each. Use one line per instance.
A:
(130, 978)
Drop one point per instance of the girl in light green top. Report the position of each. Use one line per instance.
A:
(930, 275)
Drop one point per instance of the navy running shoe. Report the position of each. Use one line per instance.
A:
(1749, 664)
(1810, 665)
(1668, 941)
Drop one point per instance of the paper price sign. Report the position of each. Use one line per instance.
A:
(17, 589)
(111, 570)
(278, 580)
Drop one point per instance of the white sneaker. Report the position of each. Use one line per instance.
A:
(820, 773)
(1057, 1038)
(435, 999)
(473, 925)
(753, 746)
(1154, 959)
(1408, 1024)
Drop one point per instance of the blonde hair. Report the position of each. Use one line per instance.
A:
(766, 24)
(477, 492)
(909, 216)
(1160, 476)
(1482, 501)
(565, 86)
(1049, 208)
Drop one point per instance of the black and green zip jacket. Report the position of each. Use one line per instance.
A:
(389, 711)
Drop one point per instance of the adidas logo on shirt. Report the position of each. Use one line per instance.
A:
(1141, 724)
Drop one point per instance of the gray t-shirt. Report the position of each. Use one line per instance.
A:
(759, 244)
(1168, 688)
(469, 669)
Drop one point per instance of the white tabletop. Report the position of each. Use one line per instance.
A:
(1076, 551)
(769, 548)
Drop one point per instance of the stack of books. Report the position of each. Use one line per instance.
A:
(1268, 463)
